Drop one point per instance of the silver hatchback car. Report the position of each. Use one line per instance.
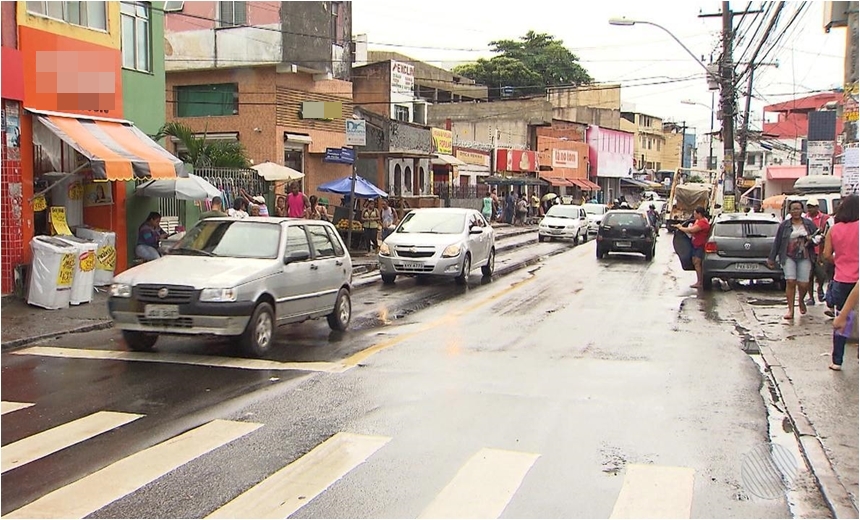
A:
(439, 241)
(239, 278)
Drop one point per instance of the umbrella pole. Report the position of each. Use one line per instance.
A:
(351, 207)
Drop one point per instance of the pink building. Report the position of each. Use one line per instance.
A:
(611, 157)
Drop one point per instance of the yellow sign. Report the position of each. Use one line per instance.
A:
(728, 203)
(88, 261)
(106, 258)
(76, 191)
(473, 158)
(40, 204)
(443, 141)
(67, 271)
(58, 221)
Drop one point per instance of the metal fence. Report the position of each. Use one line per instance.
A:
(455, 191)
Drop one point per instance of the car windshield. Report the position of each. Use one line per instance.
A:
(594, 209)
(624, 219)
(746, 229)
(563, 212)
(231, 238)
(437, 222)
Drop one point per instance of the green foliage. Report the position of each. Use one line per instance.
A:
(530, 64)
(201, 154)
(695, 179)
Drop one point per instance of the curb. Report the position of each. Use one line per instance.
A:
(77, 330)
(834, 492)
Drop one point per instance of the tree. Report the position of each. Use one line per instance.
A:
(530, 64)
(202, 153)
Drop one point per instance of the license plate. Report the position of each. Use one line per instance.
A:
(746, 267)
(624, 244)
(413, 266)
(161, 312)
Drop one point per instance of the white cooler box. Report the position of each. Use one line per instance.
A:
(51, 273)
(105, 252)
(85, 269)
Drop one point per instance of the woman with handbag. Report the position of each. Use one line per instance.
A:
(794, 248)
(841, 248)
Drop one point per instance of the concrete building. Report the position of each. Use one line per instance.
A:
(678, 148)
(432, 84)
(563, 158)
(648, 139)
(598, 104)
(255, 72)
(76, 75)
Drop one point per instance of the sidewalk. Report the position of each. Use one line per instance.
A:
(822, 404)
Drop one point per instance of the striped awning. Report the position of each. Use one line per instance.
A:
(116, 149)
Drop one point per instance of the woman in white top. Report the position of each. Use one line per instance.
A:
(238, 209)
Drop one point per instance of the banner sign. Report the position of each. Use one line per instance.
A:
(443, 141)
(339, 155)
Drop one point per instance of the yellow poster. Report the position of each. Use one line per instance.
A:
(106, 258)
(67, 271)
(40, 204)
(88, 261)
(58, 221)
(97, 194)
(443, 141)
(76, 190)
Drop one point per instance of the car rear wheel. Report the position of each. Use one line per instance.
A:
(464, 274)
(340, 316)
(139, 341)
(388, 279)
(600, 253)
(488, 269)
(707, 283)
(541, 238)
(649, 255)
(260, 332)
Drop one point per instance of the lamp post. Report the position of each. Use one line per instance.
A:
(711, 133)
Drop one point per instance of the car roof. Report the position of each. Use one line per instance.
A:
(271, 220)
(444, 210)
(746, 217)
(624, 211)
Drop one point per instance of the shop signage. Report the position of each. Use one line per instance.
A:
(356, 132)
(339, 155)
(106, 258)
(40, 204)
(443, 141)
(88, 261)
(478, 159)
(67, 271)
(516, 160)
(565, 158)
(851, 171)
(58, 221)
(97, 194)
(402, 78)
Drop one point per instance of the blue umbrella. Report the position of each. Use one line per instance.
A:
(363, 188)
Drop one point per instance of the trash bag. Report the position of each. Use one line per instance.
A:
(683, 245)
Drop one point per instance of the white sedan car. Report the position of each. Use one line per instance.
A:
(563, 221)
(439, 241)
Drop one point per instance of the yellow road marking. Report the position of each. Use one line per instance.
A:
(655, 492)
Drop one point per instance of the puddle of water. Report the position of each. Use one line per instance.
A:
(765, 301)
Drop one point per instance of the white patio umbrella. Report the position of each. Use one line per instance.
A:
(182, 188)
(276, 172)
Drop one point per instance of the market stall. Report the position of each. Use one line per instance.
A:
(361, 188)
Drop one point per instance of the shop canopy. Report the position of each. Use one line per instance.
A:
(586, 184)
(116, 149)
(363, 188)
(450, 160)
(556, 181)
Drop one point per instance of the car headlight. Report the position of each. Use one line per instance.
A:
(120, 290)
(218, 295)
(571, 226)
(451, 251)
(384, 249)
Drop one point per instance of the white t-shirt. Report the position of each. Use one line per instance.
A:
(237, 213)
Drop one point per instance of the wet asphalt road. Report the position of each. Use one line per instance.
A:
(591, 366)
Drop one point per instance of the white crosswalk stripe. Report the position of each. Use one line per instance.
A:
(655, 492)
(107, 485)
(293, 487)
(42, 444)
(13, 406)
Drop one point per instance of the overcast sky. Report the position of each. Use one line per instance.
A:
(809, 58)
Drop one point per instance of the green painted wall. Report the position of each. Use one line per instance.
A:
(144, 100)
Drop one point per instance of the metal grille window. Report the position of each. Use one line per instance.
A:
(135, 36)
(232, 14)
(207, 100)
(401, 113)
(85, 14)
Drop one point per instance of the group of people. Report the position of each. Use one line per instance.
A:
(514, 208)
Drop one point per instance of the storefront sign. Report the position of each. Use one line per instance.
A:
(728, 203)
(851, 172)
(443, 141)
(40, 204)
(356, 132)
(516, 160)
(478, 159)
(97, 194)
(106, 258)
(67, 271)
(58, 221)
(565, 158)
(402, 78)
(339, 155)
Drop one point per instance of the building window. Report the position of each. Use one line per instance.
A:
(232, 14)
(173, 7)
(295, 158)
(335, 22)
(207, 100)
(85, 14)
(135, 36)
(658, 145)
(401, 113)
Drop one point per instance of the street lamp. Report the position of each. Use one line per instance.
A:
(711, 133)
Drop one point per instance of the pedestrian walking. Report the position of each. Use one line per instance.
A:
(510, 202)
(497, 206)
(297, 202)
(535, 204)
(842, 247)
(487, 206)
(699, 229)
(793, 247)
(370, 222)
(522, 210)
(818, 271)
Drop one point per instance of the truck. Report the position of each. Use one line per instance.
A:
(684, 197)
(825, 188)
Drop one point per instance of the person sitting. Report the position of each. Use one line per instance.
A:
(149, 234)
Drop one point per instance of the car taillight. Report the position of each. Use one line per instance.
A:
(711, 247)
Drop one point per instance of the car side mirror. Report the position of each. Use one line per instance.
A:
(296, 256)
(476, 230)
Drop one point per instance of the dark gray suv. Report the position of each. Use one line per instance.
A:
(738, 247)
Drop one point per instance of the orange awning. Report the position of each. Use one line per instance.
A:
(586, 184)
(556, 181)
(116, 149)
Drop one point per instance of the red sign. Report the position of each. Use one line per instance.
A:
(508, 160)
(13, 74)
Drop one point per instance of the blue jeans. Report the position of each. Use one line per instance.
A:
(146, 252)
(839, 293)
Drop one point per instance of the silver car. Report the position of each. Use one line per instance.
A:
(595, 214)
(240, 278)
(439, 241)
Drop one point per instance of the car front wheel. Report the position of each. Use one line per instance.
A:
(464, 274)
(340, 316)
(260, 332)
(388, 279)
(488, 269)
(139, 341)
